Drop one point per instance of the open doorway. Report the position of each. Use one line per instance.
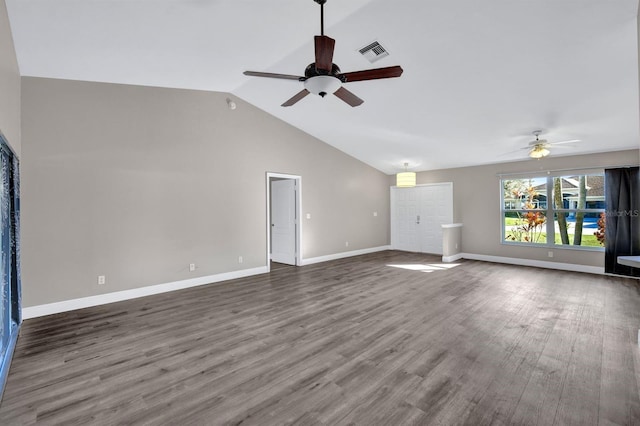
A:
(283, 219)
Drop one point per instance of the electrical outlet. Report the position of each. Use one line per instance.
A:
(550, 254)
(192, 267)
(346, 243)
(375, 214)
(456, 245)
(240, 259)
(308, 215)
(102, 280)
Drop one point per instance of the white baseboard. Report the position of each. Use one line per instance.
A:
(537, 263)
(103, 299)
(117, 296)
(342, 255)
(453, 258)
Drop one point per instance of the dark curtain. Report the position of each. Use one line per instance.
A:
(622, 232)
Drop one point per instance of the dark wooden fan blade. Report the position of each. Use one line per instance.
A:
(373, 74)
(348, 97)
(324, 52)
(301, 94)
(274, 75)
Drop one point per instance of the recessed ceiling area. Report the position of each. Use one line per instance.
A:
(479, 77)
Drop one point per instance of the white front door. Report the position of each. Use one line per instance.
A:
(283, 221)
(417, 216)
(405, 215)
(436, 210)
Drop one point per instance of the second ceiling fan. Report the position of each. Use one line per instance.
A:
(540, 148)
(323, 77)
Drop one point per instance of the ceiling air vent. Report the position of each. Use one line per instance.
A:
(373, 52)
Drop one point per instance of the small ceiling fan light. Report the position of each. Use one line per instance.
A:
(539, 152)
(322, 85)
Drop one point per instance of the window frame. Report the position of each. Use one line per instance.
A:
(549, 211)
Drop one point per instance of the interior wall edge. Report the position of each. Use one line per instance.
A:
(10, 85)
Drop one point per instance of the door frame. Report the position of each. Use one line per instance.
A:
(298, 207)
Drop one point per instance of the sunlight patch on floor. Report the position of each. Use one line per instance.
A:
(426, 268)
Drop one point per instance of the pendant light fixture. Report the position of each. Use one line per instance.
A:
(406, 179)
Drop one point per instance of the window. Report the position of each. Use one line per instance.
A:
(525, 212)
(554, 211)
(10, 315)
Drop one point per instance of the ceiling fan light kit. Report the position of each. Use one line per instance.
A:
(539, 152)
(539, 148)
(323, 77)
(322, 85)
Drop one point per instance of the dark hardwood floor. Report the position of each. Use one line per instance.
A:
(353, 341)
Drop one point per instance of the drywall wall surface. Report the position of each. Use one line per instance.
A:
(135, 183)
(9, 84)
(476, 204)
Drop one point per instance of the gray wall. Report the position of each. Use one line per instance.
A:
(133, 183)
(136, 182)
(476, 204)
(9, 84)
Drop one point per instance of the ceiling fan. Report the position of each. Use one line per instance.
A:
(539, 148)
(323, 77)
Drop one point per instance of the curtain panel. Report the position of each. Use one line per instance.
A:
(622, 231)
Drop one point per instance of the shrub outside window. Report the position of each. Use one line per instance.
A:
(554, 211)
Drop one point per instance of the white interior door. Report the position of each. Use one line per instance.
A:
(283, 221)
(436, 207)
(407, 220)
(418, 215)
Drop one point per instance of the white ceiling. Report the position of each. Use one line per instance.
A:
(479, 76)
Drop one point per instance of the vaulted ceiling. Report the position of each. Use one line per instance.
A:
(479, 77)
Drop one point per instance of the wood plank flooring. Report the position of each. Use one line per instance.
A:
(352, 341)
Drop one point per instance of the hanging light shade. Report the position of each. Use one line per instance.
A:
(406, 179)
